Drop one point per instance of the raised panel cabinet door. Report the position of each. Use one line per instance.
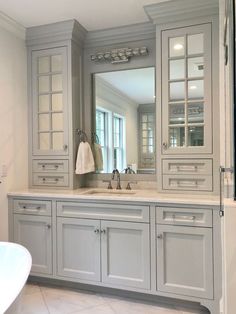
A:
(187, 90)
(34, 232)
(78, 248)
(50, 103)
(125, 251)
(184, 260)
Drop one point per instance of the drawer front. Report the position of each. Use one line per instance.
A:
(190, 166)
(187, 183)
(50, 166)
(50, 179)
(33, 207)
(184, 216)
(103, 211)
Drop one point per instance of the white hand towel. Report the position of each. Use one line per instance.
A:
(97, 152)
(85, 161)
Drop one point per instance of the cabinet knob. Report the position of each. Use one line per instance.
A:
(96, 230)
(65, 147)
(164, 145)
(48, 226)
(38, 207)
(160, 236)
(103, 231)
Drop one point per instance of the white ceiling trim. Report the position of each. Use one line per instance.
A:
(12, 26)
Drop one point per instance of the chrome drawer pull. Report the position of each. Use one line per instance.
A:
(56, 166)
(183, 217)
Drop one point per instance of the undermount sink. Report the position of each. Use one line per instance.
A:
(109, 192)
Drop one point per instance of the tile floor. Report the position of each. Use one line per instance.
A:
(40, 299)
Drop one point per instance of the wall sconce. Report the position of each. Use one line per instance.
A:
(119, 55)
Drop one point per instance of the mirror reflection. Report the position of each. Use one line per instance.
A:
(124, 120)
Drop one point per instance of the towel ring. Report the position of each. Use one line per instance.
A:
(82, 136)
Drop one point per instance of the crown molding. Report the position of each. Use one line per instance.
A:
(178, 10)
(55, 32)
(111, 36)
(12, 26)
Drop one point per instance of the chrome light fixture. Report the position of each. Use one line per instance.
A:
(119, 55)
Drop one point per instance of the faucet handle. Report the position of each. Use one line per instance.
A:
(128, 187)
(109, 184)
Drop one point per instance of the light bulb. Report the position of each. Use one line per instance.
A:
(178, 46)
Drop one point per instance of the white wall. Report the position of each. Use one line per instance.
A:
(13, 114)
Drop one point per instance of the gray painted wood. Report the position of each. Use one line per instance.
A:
(184, 260)
(172, 11)
(32, 207)
(78, 248)
(34, 232)
(184, 216)
(47, 165)
(125, 251)
(187, 166)
(136, 213)
(204, 29)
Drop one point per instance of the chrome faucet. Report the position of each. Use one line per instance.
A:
(116, 173)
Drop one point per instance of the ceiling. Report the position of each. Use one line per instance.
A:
(92, 14)
(137, 84)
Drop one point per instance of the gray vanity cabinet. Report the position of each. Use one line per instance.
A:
(104, 242)
(78, 248)
(125, 254)
(34, 232)
(184, 260)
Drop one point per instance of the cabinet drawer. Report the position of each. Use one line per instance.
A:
(190, 166)
(50, 166)
(184, 216)
(33, 207)
(50, 179)
(103, 211)
(187, 183)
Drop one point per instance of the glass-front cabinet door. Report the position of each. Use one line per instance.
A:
(49, 79)
(186, 90)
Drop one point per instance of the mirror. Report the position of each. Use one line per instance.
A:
(124, 120)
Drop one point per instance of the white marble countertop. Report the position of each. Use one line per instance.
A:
(147, 196)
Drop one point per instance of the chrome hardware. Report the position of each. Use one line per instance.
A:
(116, 173)
(43, 166)
(38, 207)
(56, 166)
(160, 236)
(128, 187)
(222, 171)
(96, 230)
(183, 217)
(48, 226)
(44, 179)
(195, 167)
(65, 147)
(56, 179)
(109, 184)
(103, 231)
(24, 207)
(164, 145)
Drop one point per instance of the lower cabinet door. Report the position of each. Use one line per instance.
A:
(78, 248)
(184, 260)
(34, 232)
(125, 250)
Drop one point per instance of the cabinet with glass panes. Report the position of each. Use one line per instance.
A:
(186, 90)
(55, 72)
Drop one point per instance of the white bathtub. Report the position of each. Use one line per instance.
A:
(15, 265)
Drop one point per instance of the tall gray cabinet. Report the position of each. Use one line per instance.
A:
(55, 88)
(187, 95)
